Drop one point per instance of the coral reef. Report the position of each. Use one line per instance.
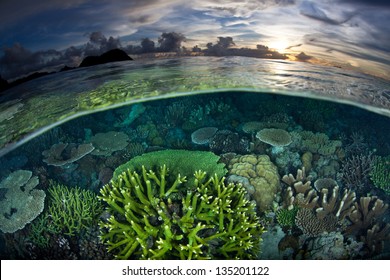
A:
(202, 136)
(332, 246)
(380, 173)
(367, 223)
(226, 141)
(311, 225)
(158, 216)
(63, 154)
(316, 143)
(286, 217)
(71, 209)
(21, 202)
(262, 175)
(178, 161)
(107, 143)
(355, 172)
(274, 136)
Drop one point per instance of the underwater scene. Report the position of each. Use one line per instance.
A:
(171, 163)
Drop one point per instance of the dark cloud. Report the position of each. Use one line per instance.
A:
(381, 3)
(170, 42)
(293, 46)
(18, 61)
(147, 45)
(314, 11)
(224, 47)
(98, 44)
(303, 57)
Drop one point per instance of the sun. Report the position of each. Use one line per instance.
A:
(279, 46)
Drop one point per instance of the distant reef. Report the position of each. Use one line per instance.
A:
(110, 56)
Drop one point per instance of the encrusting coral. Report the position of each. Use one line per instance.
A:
(21, 203)
(158, 216)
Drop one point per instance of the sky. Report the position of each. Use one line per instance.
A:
(43, 34)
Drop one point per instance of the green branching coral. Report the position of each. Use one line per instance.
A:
(154, 217)
(71, 209)
(286, 217)
(380, 173)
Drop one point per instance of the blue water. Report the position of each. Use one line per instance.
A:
(338, 122)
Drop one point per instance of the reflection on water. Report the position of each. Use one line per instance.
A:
(333, 205)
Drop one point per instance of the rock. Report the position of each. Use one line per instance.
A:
(110, 56)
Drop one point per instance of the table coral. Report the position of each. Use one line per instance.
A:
(21, 203)
(58, 155)
(274, 136)
(158, 216)
(107, 143)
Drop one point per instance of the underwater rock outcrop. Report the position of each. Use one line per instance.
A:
(21, 202)
(158, 216)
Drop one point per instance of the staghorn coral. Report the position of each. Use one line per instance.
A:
(63, 154)
(262, 175)
(71, 209)
(158, 216)
(107, 143)
(355, 172)
(21, 203)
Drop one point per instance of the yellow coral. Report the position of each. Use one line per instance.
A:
(262, 175)
(306, 160)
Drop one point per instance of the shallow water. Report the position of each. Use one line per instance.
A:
(331, 140)
(33, 107)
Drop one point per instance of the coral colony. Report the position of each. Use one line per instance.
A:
(222, 176)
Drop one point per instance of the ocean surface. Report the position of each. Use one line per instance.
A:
(306, 146)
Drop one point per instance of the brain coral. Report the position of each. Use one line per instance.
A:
(262, 175)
